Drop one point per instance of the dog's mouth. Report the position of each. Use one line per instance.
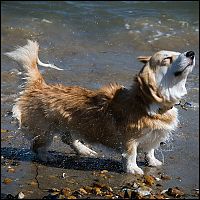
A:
(178, 73)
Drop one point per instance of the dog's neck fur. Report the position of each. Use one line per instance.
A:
(155, 109)
(126, 97)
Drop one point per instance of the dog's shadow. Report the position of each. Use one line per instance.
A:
(65, 161)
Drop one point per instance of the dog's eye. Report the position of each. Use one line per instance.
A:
(167, 60)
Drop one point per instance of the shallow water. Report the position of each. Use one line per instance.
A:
(97, 43)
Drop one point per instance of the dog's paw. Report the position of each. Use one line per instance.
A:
(88, 152)
(154, 162)
(83, 149)
(135, 170)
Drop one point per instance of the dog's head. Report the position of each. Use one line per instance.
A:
(164, 75)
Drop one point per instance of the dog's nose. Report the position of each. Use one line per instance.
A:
(190, 54)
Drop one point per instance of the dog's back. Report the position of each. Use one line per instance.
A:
(42, 107)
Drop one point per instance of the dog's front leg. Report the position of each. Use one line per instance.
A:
(152, 161)
(131, 156)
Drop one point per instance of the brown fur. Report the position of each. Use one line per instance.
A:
(111, 112)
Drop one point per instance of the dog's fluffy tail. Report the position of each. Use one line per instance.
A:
(28, 57)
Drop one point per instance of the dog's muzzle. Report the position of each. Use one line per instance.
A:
(190, 54)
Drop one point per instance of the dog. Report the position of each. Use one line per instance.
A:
(124, 119)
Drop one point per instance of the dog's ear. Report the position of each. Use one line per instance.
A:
(146, 80)
(144, 59)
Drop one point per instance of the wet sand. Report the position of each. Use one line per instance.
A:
(92, 58)
(34, 178)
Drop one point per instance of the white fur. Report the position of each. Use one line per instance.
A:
(171, 87)
(27, 55)
(152, 161)
(166, 53)
(17, 114)
(150, 141)
(83, 149)
(47, 65)
(131, 165)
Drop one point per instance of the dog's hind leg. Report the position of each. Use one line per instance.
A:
(83, 149)
(39, 145)
(78, 146)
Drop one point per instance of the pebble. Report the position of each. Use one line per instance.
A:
(127, 26)
(175, 192)
(4, 131)
(20, 195)
(165, 177)
(66, 192)
(104, 171)
(64, 175)
(83, 191)
(164, 191)
(7, 181)
(144, 192)
(71, 197)
(47, 21)
(33, 183)
(11, 170)
(88, 189)
(157, 179)
(149, 180)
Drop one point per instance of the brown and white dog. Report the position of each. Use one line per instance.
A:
(123, 119)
